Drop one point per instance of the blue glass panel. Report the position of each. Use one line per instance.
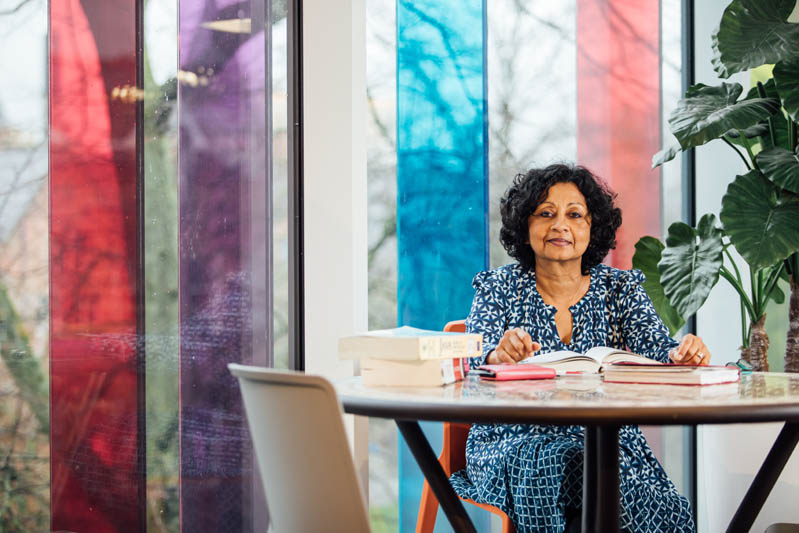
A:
(442, 180)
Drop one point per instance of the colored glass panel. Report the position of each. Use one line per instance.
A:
(618, 110)
(223, 243)
(96, 481)
(441, 176)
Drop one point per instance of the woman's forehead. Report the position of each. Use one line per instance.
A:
(564, 193)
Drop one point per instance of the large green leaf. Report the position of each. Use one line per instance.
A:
(761, 222)
(665, 155)
(777, 119)
(690, 268)
(786, 76)
(707, 113)
(647, 254)
(753, 33)
(781, 167)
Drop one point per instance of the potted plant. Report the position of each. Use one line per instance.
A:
(759, 214)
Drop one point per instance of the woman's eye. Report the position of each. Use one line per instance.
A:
(575, 214)
(545, 214)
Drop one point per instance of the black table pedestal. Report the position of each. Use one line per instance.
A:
(601, 479)
(431, 468)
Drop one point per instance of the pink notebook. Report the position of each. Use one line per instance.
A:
(507, 372)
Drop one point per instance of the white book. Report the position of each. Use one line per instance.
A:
(591, 361)
(410, 344)
(417, 373)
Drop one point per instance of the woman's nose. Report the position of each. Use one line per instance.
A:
(559, 222)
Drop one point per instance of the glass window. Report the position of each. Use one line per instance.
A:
(168, 254)
(24, 347)
(588, 81)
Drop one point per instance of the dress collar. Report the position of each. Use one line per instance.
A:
(530, 291)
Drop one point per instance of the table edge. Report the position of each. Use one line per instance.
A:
(549, 415)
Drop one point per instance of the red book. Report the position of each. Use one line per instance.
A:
(670, 374)
(507, 372)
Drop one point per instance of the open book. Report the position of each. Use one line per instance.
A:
(590, 361)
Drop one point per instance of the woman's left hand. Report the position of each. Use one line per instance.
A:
(691, 351)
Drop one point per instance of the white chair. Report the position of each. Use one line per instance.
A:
(302, 450)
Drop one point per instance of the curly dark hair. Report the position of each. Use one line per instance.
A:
(528, 191)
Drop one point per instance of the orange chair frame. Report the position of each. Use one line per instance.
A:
(452, 459)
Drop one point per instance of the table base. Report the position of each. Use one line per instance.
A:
(601, 498)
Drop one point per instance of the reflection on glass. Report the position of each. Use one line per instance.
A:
(24, 358)
(224, 252)
(95, 468)
(148, 431)
(161, 263)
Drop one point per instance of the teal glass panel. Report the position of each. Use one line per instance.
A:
(442, 182)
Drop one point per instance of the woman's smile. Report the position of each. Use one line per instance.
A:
(559, 242)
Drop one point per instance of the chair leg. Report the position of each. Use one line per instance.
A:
(507, 525)
(428, 509)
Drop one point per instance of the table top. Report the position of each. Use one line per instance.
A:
(583, 399)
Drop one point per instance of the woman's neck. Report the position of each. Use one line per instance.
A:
(559, 279)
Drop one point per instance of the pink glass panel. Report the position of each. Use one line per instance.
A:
(95, 474)
(618, 109)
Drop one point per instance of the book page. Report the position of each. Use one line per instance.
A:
(606, 355)
(550, 357)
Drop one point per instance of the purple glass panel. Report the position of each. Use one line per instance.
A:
(223, 240)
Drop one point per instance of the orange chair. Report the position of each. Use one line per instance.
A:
(452, 459)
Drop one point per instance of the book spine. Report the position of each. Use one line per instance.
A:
(453, 370)
(429, 347)
(449, 347)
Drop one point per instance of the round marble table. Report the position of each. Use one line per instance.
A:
(602, 408)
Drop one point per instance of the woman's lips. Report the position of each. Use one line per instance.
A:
(559, 242)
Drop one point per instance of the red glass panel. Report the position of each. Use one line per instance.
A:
(618, 109)
(96, 475)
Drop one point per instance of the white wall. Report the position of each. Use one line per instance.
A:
(334, 71)
(728, 456)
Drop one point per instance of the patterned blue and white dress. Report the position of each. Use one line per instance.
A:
(534, 473)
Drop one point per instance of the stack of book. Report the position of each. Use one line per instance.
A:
(411, 357)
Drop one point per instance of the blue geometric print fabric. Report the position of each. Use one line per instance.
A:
(534, 473)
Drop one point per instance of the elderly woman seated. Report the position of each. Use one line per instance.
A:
(559, 224)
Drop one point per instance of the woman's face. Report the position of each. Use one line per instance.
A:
(560, 228)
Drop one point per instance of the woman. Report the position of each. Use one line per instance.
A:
(559, 223)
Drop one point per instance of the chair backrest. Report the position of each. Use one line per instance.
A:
(453, 455)
(302, 450)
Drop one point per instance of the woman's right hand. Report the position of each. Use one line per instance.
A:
(515, 345)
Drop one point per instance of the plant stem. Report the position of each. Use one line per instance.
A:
(792, 140)
(771, 281)
(761, 91)
(723, 138)
(748, 147)
(734, 264)
(744, 337)
(726, 274)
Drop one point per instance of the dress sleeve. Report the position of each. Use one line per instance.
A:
(487, 315)
(643, 330)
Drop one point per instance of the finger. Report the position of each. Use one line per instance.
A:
(675, 355)
(536, 346)
(514, 345)
(526, 339)
(504, 357)
(694, 350)
(706, 356)
(682, 349)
